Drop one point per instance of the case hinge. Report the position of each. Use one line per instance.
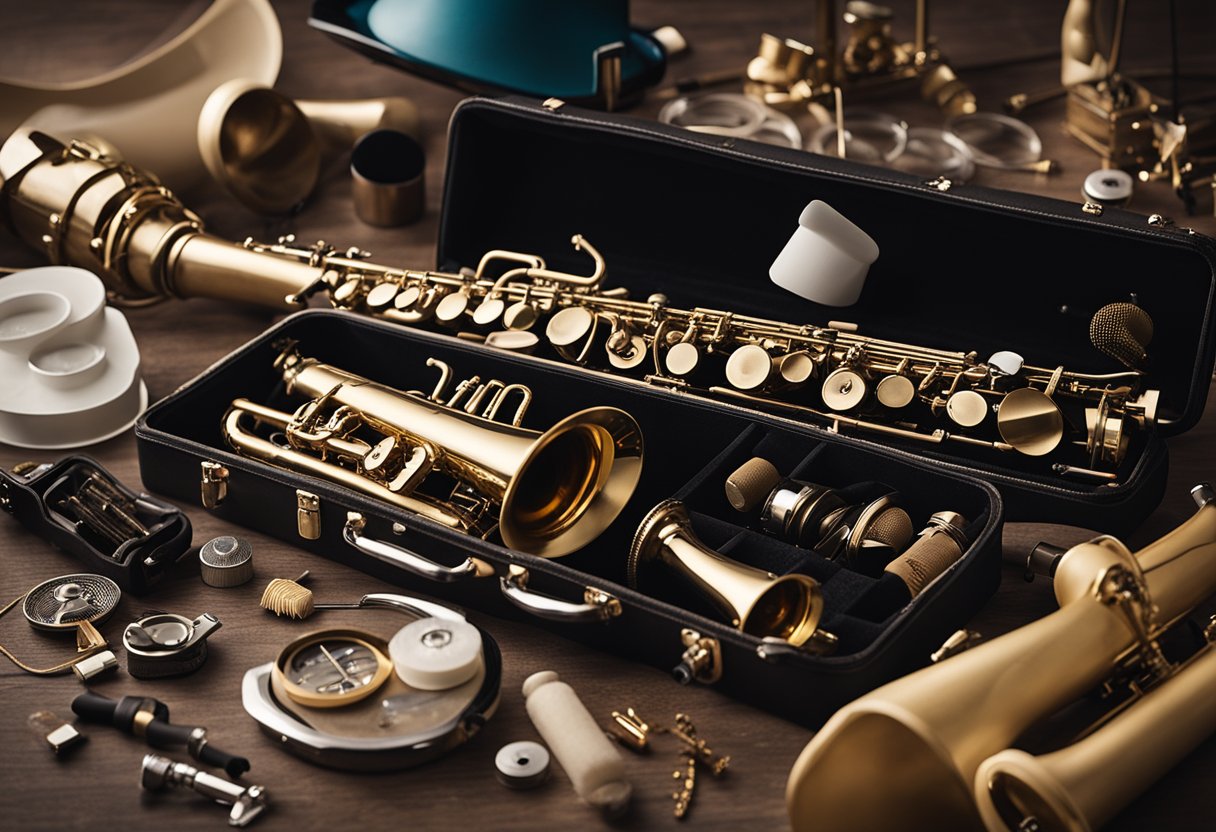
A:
(701, 660)
(308, 515)
(941, 183)
(1094, 208)
(553, 104)
(214, 484)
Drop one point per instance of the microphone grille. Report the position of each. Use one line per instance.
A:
(925, 559)
(893, 527)
(1122, 331)
(750, 483)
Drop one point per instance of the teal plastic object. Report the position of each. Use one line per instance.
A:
(532, 47)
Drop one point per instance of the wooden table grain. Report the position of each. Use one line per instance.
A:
(97, 787)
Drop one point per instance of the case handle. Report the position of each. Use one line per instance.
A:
(409, 560)
(597, 605)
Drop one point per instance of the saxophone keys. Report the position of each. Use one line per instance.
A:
(452, 307)
(844, 389)
(682, 359)
(569, 326)
(381, 295)
(626, 351)
(520, 315)
(967, 408)
(1030, 421)
(895, 391)
(489, 311)
(346, 293)
(750, 367)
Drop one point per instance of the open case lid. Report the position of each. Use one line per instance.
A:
(700, 218)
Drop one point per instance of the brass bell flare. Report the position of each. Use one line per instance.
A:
(754, 601)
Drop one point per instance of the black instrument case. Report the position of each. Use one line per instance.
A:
(700, 218)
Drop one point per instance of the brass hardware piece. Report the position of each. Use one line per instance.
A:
(591, 460)
(1159, 221)
(308, 515)
(941, 183)
(701, 659)
(597, 605)
(958, 641)
(553, 104)
(214, 485)
(1094, 208)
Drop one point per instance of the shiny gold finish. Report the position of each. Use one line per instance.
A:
(551, 492)
(146, 245)
(308, 515)
(752, 600)
(267, 150)
(214, 485)
(1084, 785)
(942, 722)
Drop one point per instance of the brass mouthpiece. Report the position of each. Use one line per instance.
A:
(750, 483)
(1122, 331)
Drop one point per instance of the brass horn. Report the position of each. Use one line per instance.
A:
(1082, 786)
(553, 491)
(753, 600)
(906, 755)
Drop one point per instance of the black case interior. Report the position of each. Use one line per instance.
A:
(690, 447)
(700, 218)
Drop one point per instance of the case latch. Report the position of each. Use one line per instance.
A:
(214, 485)
(702, 659)
(553, 104)
(308, 515)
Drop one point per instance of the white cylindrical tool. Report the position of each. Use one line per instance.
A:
(436, 653)
(593, 764)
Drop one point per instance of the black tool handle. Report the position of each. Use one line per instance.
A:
(93, 707)
(234, 765)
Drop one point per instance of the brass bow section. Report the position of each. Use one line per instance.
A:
(86, 209)
(547, 493)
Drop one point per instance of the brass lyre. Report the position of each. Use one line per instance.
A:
(549, 492)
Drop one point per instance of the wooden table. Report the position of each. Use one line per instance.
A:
(97, 786)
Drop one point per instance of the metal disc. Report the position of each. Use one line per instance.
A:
(796, 367)
(1005, 363)
(682, 358)
(452, 307)
(967, 408)
(488, 312)
(637, 354)
(749, 367)
(513, 340)
(569, 326)
(407, 297)
(844, 389)
(381, 295)
(1030, 421)
(522, 765)
(520, 316)
(895, 391)
(70, 600)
